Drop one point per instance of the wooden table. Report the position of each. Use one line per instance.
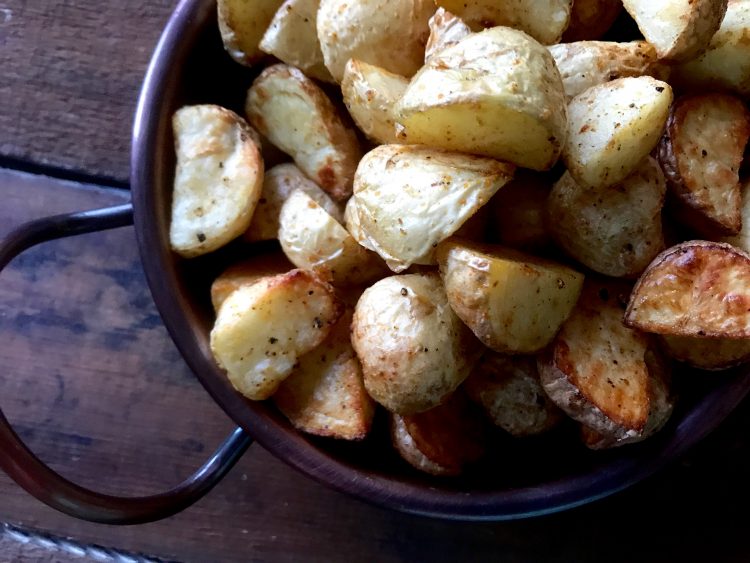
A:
(93, 383)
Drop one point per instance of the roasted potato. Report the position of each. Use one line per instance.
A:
(443, 440)
(518, 212)
(446, 30)
(325, 395)
(263, 328)
(707, 353)
(245, 273)
(599, 371)
(513, 302)
(544, 20)
(696, 289)
(390, 34)
(612, 127)
(615, 230)
(242, 24)
(413, 348)
(496, 93)
(508, 389)
(700, 154)
(725, 65)
(218, 179)
(680, 30)
(590, 19)
(292, 37)
(742, 239)
(314, 240)
(587, 63)
(370, 93)
(297, 116)
(409, 198)
(278, 183)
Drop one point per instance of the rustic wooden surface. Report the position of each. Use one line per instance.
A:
(93, 383)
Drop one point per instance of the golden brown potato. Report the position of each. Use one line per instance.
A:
(242, 24)
(697, 289)
(278, 183)
(680, 30)
(612, 127)
(701, 153)
(370, 94)
(518, 212)
(413, 348)
(297, 116)
(496, 93)
(263, 328)
(725, 65)
(292, 37)
(218, 179)
(314, 240)
(590, 19)
(614, 230)
(408, 199)
(508, 389)
(599, 371)
(245, 273)
(446, 29)
(513, 302)
(390, 34)
(707, 353)
(325, 394)
(443, 440)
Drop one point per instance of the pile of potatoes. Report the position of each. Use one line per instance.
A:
(501, 220)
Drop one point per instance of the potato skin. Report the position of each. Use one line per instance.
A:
(242, 24)
(446, 29)
(413, 348)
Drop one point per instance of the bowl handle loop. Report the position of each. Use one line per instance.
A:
(46, 485)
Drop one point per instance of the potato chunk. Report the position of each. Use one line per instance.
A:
(218, 179)
(446, 30)
(414, 350)
(242, 24)
(696, 288)
(612, 127)
(263, 328)
(590, 19)
(370, 94)
(496, 93)
(245, 273)
(314, 240)
(408, 198)
(742, 239)
(325, 394)
(707, 353)
(296, 116)
(701, 154)
(615, 230)
(514, 303)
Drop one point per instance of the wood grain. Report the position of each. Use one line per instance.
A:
(94, 384)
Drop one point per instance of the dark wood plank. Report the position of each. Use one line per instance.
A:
(69, 79)
(94, 384)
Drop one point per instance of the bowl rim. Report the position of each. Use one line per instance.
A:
(186, 23)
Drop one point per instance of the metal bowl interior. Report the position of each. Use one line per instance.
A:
(521, 478)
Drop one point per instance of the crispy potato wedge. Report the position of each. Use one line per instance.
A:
(390, 34)
(292, 37)
(314, 240)
(584, 64)
(409, 198)
(518, 212)
(615, 230)
(218, 179)
(446, 30)
(612, 127)
(443, 440)
(245, 273)
(742, 239)
(370, 93)
(679, 30)
(296, 116)
(278, 183)
(242, 24)
(707, 353)
(263, 328)
(696, 289)
(596, 369)
(496, 93)
(414, 350)
(325, 394)
(700, 154)
(544, 20)
(508, 389)
(513, 302)
(725, 65)
(590, 19)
